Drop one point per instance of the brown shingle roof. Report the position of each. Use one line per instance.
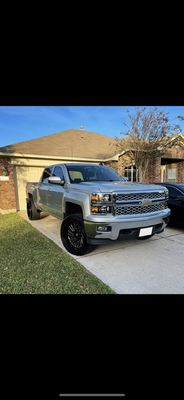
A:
(68, 143)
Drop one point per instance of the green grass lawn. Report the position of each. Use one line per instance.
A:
(31, 263)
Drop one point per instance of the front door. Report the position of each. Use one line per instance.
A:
(163, 173)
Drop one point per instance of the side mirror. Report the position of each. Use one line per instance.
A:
(56, 180)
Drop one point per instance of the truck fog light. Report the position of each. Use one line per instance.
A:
(103, 228)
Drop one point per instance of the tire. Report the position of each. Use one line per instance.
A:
(32, 211)
(73, 235)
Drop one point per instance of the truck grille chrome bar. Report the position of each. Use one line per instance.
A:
(128, 197)
(139, 209)
(138, 203)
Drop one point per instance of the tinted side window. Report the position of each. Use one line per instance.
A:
(46, 175)
(173, 192)
(58, 172)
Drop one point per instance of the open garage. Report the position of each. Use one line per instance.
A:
(24, 174)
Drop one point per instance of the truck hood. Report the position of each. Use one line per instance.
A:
(116, 186)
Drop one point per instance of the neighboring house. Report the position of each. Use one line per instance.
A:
(167, 168)
(24, 162)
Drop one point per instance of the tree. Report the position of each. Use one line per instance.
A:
(145, 137)
(4, 164)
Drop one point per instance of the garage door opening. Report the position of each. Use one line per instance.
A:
(23, 175)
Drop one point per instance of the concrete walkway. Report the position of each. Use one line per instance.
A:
(154, 266)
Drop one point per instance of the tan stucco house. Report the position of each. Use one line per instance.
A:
(24, 162)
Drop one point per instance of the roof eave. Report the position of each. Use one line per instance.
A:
(39, 156)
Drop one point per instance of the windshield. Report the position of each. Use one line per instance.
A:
(92, 173)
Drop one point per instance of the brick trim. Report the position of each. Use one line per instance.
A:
(7, 188)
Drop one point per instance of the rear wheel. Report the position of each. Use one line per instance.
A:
(73, 235)
(32, 211)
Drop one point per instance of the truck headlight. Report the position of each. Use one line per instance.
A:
(100, 197)
(99, 203)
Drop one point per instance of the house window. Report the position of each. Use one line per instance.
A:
(171, 174)
(130, 173)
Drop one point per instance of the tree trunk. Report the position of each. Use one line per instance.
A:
(137, 174)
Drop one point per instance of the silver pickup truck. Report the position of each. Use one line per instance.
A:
(96, 205)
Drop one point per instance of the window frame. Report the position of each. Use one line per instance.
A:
(50, 168)
(53, 173)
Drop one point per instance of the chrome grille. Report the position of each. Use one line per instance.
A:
(138, 196)
(138, 209)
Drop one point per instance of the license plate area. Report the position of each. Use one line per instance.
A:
(146, 231)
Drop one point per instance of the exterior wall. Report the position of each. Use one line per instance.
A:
(180, 172)
(175, 152)
(120, 165)
(113, 164)
(154, 171)
(7, 188)
(37, 162)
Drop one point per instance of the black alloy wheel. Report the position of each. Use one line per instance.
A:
(73, 235)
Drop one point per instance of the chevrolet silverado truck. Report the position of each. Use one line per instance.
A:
(96, 205)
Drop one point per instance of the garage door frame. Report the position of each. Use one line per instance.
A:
(18, 183)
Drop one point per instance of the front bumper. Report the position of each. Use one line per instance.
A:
(122, 227)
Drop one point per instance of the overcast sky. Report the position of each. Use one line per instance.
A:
(19, 123)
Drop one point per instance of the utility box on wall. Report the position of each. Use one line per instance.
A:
(4, 178)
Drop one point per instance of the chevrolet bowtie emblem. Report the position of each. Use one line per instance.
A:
(146, 202)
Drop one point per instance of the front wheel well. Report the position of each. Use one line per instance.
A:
(72, 208)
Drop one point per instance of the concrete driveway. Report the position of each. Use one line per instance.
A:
(154, 266)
